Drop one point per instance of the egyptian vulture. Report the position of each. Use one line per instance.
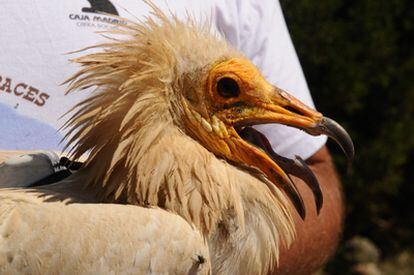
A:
(176, 180)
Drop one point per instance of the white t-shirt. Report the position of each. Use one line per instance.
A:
(36, 34)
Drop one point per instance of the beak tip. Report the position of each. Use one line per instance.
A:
(349, 150)
(295, 197)
(302, 214)
(319, 204)
(335, 131)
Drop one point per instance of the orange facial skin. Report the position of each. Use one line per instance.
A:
(247, 99)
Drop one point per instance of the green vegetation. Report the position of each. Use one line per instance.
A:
(358, 60)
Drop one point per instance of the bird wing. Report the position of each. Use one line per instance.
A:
(40, 237)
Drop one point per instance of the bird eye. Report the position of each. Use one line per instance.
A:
(228, 87)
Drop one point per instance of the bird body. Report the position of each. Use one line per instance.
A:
(169, 147)
(236, 245)
(67, 219)
(39, 237)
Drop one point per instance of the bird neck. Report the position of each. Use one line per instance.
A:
(166, 168)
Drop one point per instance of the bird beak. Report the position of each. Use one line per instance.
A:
(285, 109)
(277, 106)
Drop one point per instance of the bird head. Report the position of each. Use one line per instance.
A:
(230, 96)
(179, 74)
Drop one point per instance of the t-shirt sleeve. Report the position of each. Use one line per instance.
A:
(264, 39)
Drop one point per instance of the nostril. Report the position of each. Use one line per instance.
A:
(293, 110)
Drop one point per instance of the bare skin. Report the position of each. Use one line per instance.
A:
(6, 154)
(317, 236)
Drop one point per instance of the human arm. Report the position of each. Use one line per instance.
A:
(318, 235)
(22, 168)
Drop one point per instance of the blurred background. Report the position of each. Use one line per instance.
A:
(358, 60)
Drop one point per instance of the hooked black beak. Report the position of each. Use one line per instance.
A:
(277, 106)
(332, 129)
